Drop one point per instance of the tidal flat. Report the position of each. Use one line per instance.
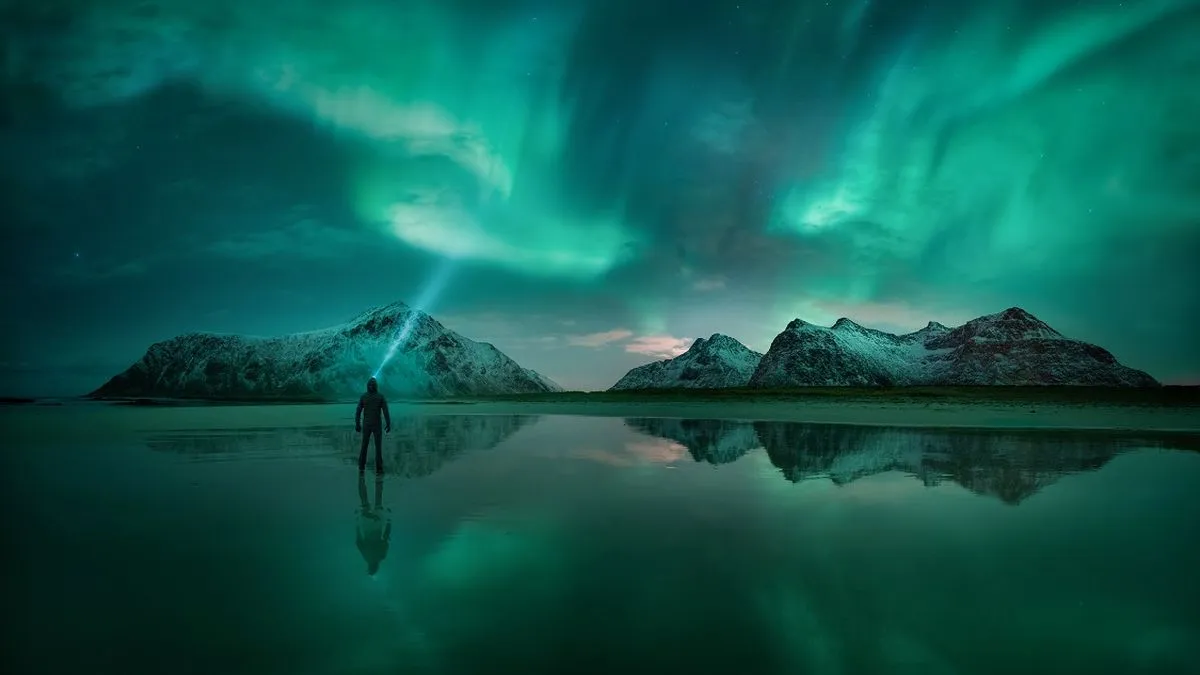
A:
(243, 539)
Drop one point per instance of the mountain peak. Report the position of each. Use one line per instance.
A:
(386, 319)
(1015, 314)
(712, 362)
(1011, 347)
(1011, 324)
(412, 353)
(718, 339)
(391, 309)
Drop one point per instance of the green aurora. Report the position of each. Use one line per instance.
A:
(608, 178)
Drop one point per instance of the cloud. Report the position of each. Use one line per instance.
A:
(657, 451)
(635, 453)
(603, 457)
(599, 339)
(658, 346)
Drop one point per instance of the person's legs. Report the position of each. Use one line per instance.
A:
(362, 451)
(378, 451)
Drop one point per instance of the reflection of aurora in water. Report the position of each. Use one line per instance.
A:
(532, 548)
(661, 570)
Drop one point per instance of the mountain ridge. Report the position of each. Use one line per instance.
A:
(717, 362)
(1010, 466)
(1007, 348)
(420, 357)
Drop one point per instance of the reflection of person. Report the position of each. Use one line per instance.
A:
(371, 406)
(374, 529)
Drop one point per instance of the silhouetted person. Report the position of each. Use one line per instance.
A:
(371, 406)
(373, 531)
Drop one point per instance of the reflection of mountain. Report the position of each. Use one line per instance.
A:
(712, 441)
(417, 446)
(1008, 465)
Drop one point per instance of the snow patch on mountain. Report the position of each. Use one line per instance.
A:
(427, 359)
(1007, 348)
(719, 361)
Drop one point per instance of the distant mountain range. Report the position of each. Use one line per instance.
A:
(330, 364)
(1010, 466)
(1012, 347)
(428, 360)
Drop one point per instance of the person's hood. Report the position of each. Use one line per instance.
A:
(372, 385)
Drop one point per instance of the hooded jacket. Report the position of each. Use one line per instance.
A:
(371, 406)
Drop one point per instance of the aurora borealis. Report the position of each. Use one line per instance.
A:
(607, 178)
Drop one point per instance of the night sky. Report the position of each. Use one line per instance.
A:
(591, 184)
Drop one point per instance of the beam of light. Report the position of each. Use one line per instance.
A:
(424, 303)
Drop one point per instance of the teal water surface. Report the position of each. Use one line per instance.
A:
(571, 544)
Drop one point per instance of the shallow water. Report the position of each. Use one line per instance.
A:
(576, 544)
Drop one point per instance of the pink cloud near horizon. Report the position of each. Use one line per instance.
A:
(656, 451)
(599, 339)
(659, 346)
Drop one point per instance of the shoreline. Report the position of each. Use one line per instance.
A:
(914, 413)
(1167, 395)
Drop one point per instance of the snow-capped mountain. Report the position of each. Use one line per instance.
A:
(1008, 466)
(334, 363)
(418, 445)
(712, 441)
(1008, 348)
(719, 361)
